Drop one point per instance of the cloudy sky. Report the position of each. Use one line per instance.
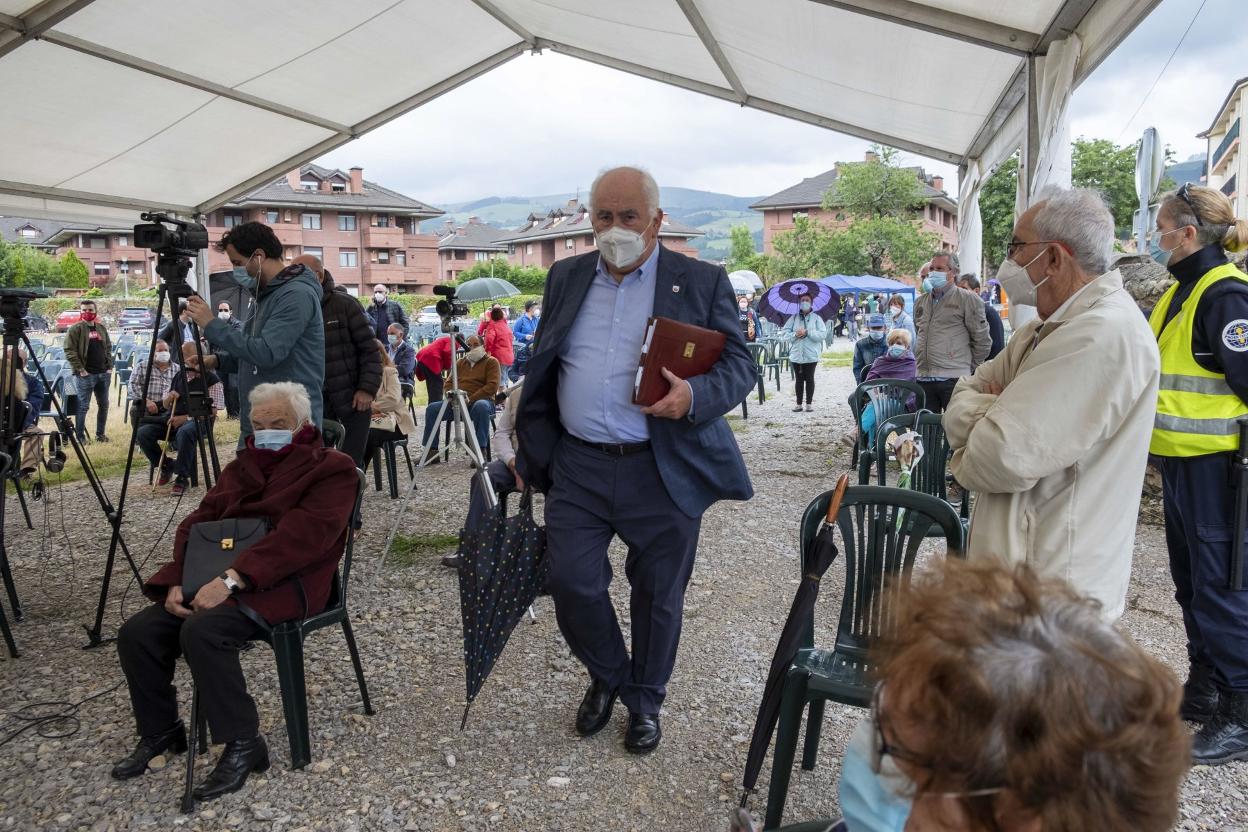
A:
(514, 132)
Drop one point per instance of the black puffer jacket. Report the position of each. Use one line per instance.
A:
(351, 359)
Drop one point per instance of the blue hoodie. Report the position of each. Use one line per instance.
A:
(284, 340)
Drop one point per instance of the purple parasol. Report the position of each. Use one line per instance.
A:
(782, 301)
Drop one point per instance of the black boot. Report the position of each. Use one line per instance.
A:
(149, 747)
(239, 759)
(1200, 694)
(1224, 738)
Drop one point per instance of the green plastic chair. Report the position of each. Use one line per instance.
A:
(931, 475)
(889, 399)
(760, 353)
(881, 530)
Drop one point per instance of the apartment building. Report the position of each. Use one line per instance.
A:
(460, 247)
(566, 231)
(107, 249)
(1227, 163)
(363, 232)
(939, 214)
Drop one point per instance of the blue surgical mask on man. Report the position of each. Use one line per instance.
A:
(877, 335)
(935, 280)
(272, 439)
(393, 339)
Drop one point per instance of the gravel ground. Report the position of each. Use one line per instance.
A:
(519, 765)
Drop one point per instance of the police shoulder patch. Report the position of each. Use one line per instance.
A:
(1235, 335)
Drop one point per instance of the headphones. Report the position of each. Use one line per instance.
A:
(55, 462)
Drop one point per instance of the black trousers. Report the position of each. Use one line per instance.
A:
(938, 393)
(356, 425)
(805, 374)
(151, 641)
(1200, 519)
(433, 383)
(596, 496)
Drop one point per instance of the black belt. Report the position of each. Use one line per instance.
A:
(612, 448)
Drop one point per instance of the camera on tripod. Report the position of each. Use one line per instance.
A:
(174, 247)
(449, 307)
(14, 307)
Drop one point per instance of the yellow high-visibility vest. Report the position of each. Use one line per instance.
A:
(1196, 409)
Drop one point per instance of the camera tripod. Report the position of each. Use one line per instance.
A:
(172, 266)
(13, 306)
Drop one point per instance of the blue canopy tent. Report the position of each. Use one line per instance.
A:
(870, 284)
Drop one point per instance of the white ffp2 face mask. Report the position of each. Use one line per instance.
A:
(621, 247)
(1017, 283)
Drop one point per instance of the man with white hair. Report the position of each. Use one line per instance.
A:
(382, 312)
(611, 467)
(306, 491)
(1053, 433)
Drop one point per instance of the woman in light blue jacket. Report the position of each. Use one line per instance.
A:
(808, 331)
(900, 319)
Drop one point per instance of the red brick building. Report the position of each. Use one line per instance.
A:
(107, 249)
(566, 232)
(364, 233)
(462, 247)
(938, 216)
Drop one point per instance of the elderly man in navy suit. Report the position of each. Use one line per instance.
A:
(609, 467)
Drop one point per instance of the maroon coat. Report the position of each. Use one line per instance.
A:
(307, 494)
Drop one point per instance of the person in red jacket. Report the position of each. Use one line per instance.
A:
(431, 362)
(307, 492)
(496, 335)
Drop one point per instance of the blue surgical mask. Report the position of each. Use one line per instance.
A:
(872, 802)
(392, 338)
(896, 351)
(273, 439)
(1158, 253)
(935, 280)
(805, 306)
(877, 335)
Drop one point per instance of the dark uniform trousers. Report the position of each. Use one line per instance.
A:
(595, 496)
(149, 644)
(1200, 513)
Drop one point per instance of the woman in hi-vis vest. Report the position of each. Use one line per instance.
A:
(1201, 324)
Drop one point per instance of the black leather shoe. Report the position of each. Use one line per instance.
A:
(1200, 695)
(149, 747)
(595, 710)
(239, 759)
(450, 561)
(643, 733)
(1224, 738)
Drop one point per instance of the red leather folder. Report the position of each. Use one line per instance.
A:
(684, 349)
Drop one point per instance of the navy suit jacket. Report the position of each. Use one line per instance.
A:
(697, 456)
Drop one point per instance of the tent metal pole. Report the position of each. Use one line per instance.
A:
(39, 20)
(939, 21)
(694, 16)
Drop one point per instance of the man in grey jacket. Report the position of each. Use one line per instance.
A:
(284, 339)
(953, 332)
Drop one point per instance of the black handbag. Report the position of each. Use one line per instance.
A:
(213, 545)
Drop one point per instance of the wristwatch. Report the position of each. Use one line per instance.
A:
(230, 584)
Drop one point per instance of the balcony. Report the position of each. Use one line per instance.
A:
(1224, 148)
(382, 272)
(388, 237)
(1229, 187)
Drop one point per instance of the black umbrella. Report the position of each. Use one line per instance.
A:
(822, 553)
(501, 569)
(783, 301)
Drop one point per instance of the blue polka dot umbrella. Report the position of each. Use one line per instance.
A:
(783, 301)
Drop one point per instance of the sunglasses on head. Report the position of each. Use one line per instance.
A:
(1183, 195)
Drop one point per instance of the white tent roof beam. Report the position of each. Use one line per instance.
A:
(507, 20)
(37, 21)
(86, 197)
(130, 61)
(690, 9)
(941, 22)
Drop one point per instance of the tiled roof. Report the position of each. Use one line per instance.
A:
(51, 231)
(474, 236)
(809, 192)
(573, 220)
(279, 192)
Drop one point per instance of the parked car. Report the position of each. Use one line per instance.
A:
(36, 323)
(67, 319)
(136, 317)
(428, 315)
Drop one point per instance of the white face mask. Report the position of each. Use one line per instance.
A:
(380, 297)
(621, 247)
(1017, 283)
(162, 357)
(224, 314)
(475, 354)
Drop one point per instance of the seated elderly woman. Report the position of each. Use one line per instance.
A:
(307, 492)
(1007, 703)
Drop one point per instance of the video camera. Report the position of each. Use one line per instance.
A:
(449, 307)
(175, 247)
(14, 307)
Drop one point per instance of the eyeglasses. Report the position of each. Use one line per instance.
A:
(1183, 195)
(1012, 246)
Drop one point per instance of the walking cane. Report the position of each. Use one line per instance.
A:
(1239, 479)
(164, 451)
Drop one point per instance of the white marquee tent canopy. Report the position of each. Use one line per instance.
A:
(117, 105)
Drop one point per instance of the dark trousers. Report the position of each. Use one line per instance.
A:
(148, 646)
(596, 496)
(97, 384)
(481, 412)
(938, 393)
(1200, 515)
(805, 375)
(356, 425)
(184, 444)
(230, 383)
(433, 383)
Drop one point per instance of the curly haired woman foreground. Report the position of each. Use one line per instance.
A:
(1005, 702)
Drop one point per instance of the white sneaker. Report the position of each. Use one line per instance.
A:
(809, 408)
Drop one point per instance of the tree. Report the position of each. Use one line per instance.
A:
(876, 188)
(1103, 166)
(74, 273)
(742, 254)
(530, 280)
(805, 251)
(996, 209)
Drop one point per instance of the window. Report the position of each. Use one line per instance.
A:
(481, 256)
(312, 222)
(123, 267)
(528, 249)
(511, 249)
(383, 255)
(337, 187)
(346, 222)
(569, 243)
(589, 241)
(101, 269)
(123, 240)
(315, 251)
(383, 220)
(309, 184)
(232, 219)
(99, 242)
(27, 231)
(460, 254)
(287, 216)
(800, 214)
(288, 252)
(401, 257)
(348, 258)
(270, 216)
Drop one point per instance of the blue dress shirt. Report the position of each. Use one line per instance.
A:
(598, 358)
